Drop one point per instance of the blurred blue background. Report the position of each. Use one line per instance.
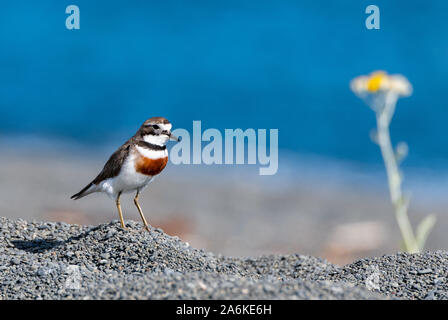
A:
(248, 64)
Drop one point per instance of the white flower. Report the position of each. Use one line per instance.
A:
(379, 82)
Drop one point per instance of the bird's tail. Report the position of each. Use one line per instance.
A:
(87, 190)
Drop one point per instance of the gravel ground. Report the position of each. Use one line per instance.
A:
(44, 260)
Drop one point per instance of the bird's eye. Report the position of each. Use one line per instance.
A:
(155, 126)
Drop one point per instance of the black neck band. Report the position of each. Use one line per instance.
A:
(143, 143)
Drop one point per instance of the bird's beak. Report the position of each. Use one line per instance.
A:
(173, 137)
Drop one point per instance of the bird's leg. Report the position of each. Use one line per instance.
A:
(140, 210)
(117, 202)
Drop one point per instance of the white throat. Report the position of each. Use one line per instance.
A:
(160, 140)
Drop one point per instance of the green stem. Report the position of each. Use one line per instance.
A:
(393, 174)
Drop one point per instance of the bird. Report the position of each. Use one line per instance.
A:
(134, 165)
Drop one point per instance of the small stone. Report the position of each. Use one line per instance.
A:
(416, 286)
(430, 295)
(110, 234)
(425, 271)
(90, 267)
(42, 272)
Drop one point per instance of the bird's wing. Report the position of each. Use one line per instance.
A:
(111, 169)
(113, 165)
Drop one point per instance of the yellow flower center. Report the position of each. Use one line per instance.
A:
(374, 83)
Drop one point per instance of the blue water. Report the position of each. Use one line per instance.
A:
(247, 64)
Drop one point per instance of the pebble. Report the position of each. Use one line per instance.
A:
(425, 271)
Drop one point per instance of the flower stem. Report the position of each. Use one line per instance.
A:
(399, 202)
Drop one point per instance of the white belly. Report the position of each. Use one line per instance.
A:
(128, 180)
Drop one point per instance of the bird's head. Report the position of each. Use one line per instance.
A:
(157, 130)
